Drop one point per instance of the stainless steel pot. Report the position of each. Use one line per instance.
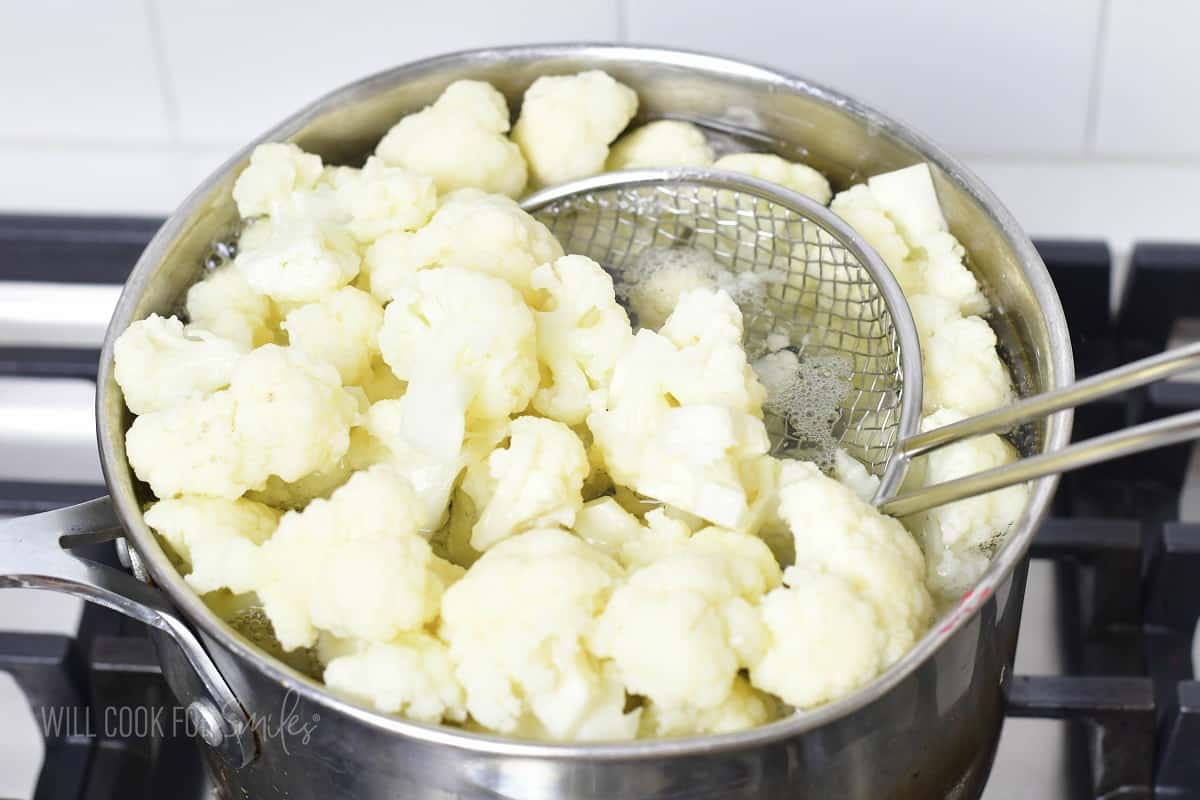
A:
(927, 728)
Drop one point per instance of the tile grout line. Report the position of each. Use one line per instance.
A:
(1099, 54)
(158, 46)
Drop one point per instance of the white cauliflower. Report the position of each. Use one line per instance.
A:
(217, 538)
(960, 538)
(381, 383)
(567, 123)
(581, 331)
(364, 451)
(799, 178)
(658, 277)
(899, 215)
(838, 533)
(534, 482)
(745, 707)
(282, 415)
(224, 303)
(862, 211)
(383, 199)
(824, 639)
(665, 143)
(962, 367)
(352, 565)
(422, 435)
(680, 628)
(340, 329)
(297, 262)
(908, 198)
(410, 675)
(608, 527)
(517, 624)
(274, 173)
(158, 363)
(851, 473)
(292, 415)
(459, 141)
(684, 412)
(471, 326)
(190, 448)
(471, 230)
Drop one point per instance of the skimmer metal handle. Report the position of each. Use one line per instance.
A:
(1150, 435)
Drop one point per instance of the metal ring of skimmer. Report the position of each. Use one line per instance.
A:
(826, 290)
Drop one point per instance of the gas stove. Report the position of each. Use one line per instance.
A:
(1104, 701)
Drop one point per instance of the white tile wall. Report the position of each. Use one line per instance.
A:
(1078, 110)
(1150, 80)
(79, 71)
(239, 66)
(1011, 77)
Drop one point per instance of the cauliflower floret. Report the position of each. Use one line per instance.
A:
(799, 178)
(471, 230)
(381, 383)
(824, 639)
(962, 367)
(838, 533)
(292, 415)
(341, 329)
(851, 473)
(190, 448)
(858, 207)
(275, 172)
(665, 143)
(517, 624)
(282, 415)
(908, 198)
(568, 121)
(680, 628)
(659, 276)
(410, 675)
(385, 199)
(535, 482)
(581, 331)
(745, 707)
(218, 538)
(364, 451)
(943, 273)
(424, 436)
(606, 525)
(960, 538)
(158, 363)
(468, 324)
(459, 141)
(224, 303)
(706, 328)
(685, 412)
(297, 262)
(352, 565)
(899, 215)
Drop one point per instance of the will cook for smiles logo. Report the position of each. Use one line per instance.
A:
(162, 722)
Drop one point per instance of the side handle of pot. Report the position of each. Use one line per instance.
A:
(34, 555)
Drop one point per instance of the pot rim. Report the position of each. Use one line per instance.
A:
(1001, 567)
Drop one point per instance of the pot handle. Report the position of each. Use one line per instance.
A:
(34, 554)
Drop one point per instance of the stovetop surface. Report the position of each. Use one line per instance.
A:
(1104, 702)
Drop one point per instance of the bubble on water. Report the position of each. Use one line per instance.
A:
(806, 391)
